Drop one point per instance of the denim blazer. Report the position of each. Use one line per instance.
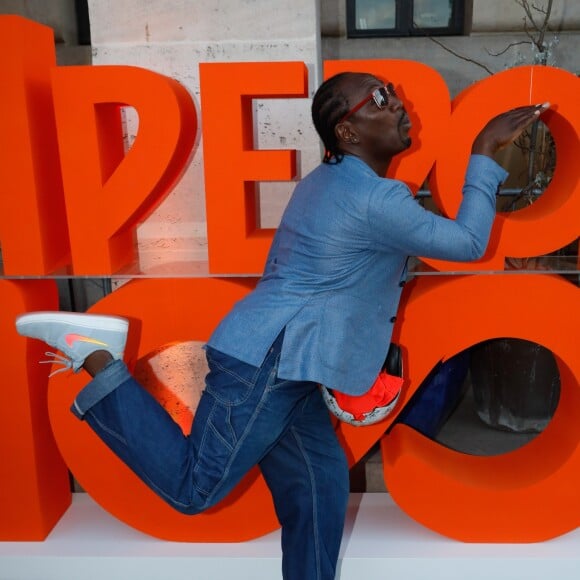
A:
(334, 274)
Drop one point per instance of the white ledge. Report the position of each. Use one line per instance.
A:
(380, 541)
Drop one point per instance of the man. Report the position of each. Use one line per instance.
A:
(321, 314)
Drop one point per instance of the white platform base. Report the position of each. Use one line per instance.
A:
(380, 541)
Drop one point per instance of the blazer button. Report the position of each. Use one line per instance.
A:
(393, 319)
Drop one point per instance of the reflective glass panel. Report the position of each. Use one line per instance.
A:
(375, 14)
(432, 13)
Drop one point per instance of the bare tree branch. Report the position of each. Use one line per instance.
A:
(460, 56)
(526, 6)
(539, 29)
(544, 26)
(511, 45)
(536, 33)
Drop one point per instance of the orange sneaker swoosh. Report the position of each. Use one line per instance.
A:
(70, 339)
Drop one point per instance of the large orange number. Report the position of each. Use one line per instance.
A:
(195, 307)
(530, 494)
(34, 481)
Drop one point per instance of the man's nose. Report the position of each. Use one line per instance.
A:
(395, 104)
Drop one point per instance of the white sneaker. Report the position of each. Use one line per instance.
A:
(75, 335)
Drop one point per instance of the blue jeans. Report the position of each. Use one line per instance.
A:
(247, 416)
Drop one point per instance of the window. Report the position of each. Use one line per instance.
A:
(367, 18)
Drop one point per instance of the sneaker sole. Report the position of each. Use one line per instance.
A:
(92, 321)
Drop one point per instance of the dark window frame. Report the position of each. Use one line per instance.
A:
(404, 25)
(83, 22)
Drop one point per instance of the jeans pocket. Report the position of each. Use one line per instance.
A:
(230, 381)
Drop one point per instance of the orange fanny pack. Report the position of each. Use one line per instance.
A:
(378, 401)
(385, 389)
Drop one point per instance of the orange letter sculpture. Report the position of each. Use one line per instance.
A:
(109, 193)
(30, 180)
(236, 244)
(527, 495)
(552, 221)
(530, 494)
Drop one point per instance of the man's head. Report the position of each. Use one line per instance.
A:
(356, 114)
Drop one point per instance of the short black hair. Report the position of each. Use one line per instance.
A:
(329, 105)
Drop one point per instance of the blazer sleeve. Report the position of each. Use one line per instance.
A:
(399, 224)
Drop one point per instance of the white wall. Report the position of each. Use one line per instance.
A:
(506, 15)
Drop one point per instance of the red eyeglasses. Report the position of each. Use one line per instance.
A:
(380, 96)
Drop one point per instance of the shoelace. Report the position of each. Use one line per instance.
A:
(66, 362)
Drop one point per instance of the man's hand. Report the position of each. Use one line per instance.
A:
(505, 128)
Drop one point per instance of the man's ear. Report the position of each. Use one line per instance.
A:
(345, 133)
